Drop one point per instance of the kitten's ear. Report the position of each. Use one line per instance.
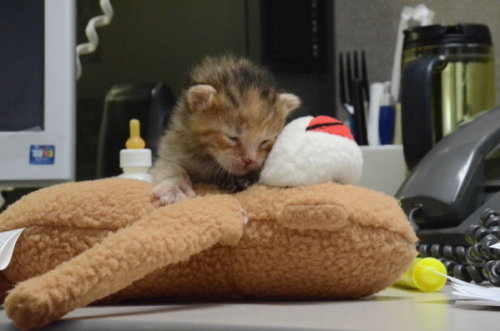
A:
(200, 96)
(287, 102)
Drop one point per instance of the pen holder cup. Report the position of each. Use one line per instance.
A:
(384, 168)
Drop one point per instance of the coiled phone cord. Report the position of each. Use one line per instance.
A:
(91, 33)
(477, 262)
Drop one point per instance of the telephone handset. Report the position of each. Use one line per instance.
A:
(448, 184)
(455, 212)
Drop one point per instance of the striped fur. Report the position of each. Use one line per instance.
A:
(223, 125)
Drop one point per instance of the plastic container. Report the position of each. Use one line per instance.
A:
(136, 160)
(423, 275)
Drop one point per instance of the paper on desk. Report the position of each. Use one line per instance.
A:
(496, 246)
(469, 291)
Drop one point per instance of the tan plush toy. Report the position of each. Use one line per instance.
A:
(107, 240)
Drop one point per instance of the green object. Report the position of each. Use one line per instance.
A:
(424, 275)
(463, 86)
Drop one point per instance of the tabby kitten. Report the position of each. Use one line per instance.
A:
(221, 129)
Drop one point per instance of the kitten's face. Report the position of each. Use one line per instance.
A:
(241, 150)
(240, 138)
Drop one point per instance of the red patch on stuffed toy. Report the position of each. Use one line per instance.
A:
(329, 125)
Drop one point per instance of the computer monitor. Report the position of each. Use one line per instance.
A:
(37, 92)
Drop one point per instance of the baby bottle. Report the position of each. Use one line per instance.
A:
(135, 160)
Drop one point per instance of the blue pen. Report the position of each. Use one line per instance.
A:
(386, 121)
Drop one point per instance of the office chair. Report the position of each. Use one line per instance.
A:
(150, 103)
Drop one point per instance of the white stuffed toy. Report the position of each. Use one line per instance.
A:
(312, 150)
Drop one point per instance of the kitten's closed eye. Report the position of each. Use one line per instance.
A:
(266, 143)
(232, 138)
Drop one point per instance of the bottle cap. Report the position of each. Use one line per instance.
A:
(442, 35)
(427, 275)
(135, 158)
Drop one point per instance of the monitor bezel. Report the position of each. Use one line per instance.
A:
(59, 109)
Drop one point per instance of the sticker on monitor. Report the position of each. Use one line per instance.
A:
(42, 154)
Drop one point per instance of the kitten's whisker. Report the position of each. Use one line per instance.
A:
(219, 172)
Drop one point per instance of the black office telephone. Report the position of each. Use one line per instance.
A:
(453, 201)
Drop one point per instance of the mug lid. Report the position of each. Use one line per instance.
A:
(440, 34)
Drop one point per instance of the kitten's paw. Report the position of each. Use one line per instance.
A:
(169, 192)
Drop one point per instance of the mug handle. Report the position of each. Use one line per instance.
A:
(416, 107)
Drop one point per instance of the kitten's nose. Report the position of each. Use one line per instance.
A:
(248, 161)
(249, 155)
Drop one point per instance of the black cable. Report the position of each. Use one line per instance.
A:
(477, 262)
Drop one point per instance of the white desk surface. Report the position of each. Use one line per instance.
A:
(391, 309)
